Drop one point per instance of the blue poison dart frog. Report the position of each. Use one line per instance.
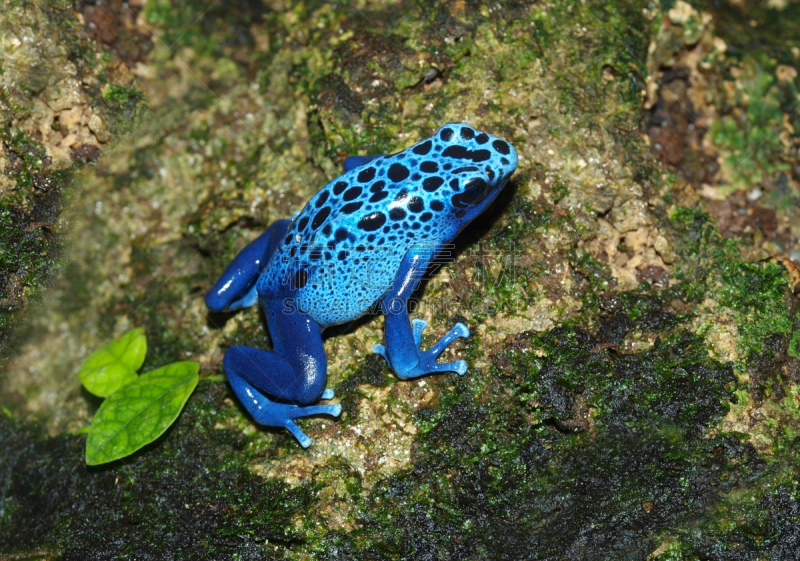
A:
(364, 240)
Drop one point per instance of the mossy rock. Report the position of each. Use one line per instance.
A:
(633, 383)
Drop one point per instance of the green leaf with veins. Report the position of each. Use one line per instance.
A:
(114, 365)
(140, 412)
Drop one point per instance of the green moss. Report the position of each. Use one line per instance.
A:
(28, 253)
(178, 22)
(503, 468)
(751, 523)
(794, 345)
(750, 139)
(161, 12)
(510, 289)
(698, 233)
(755, 294)
(617, 42)
(186, 495)
(121, 94)
(596, 275)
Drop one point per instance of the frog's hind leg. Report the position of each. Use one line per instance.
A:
(236, 287)
(272, 413)
(293, 373)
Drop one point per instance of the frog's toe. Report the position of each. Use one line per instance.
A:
(419, 326)
(459, 367)
(301, 437)
(334, 410)
(296, 411)
(380, 350)
(427, 359)
(459, 331)
(327, 394)
(250, 298)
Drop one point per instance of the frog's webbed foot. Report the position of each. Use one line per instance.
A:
(288, 413)
(297, 411)
(276, 414)
(424, 362)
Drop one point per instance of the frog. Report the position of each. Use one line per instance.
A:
(361, 244)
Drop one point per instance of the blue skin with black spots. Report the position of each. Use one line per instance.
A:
(366, 238)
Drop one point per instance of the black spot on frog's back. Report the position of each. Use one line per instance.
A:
(350, 208)
(461, 153)
(397, 172)
(422, 148)
(416, 204)
(341, 235)
(501, 146)
(430, 184)
(352, 193)
(372, 221)
(320, 217)
(366, 175)
(378, 192)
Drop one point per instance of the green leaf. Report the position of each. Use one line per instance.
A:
(140, 412)
(114, 364)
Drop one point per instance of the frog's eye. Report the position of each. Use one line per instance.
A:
(474, 192)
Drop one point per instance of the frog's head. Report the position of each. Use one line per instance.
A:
(473, 167)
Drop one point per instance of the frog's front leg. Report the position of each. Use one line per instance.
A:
(402, 350)
(353, 162)
(236, 287)
(294, 373)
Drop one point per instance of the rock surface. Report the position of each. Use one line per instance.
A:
(62, 99)
(635, 358)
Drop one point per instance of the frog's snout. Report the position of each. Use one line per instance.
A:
(513, 159)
